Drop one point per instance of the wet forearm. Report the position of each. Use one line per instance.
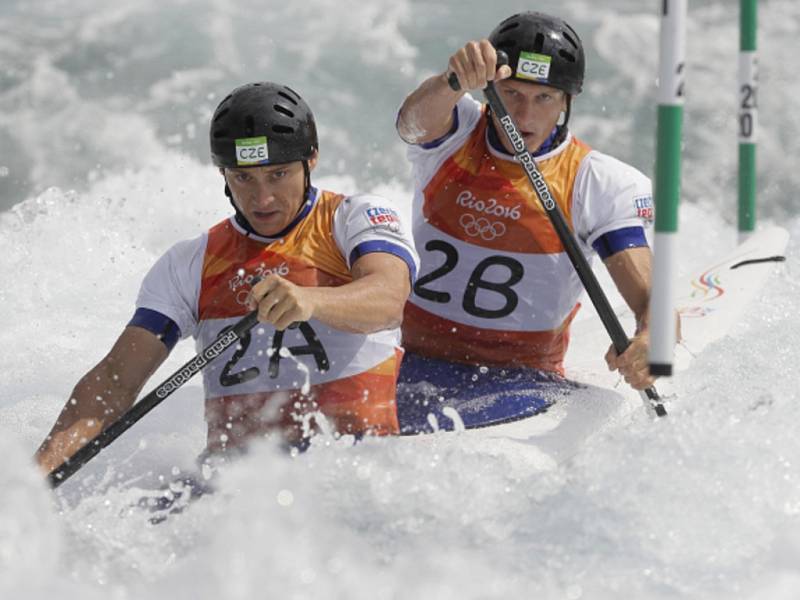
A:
(102, 395)
(88, 411)
(363, 306)
(427, 112)
(631, 271)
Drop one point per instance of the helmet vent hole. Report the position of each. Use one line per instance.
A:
(538, 42)
(508, 27)
(566, 55)
(570, 39)
(221, 114)
(249, 124)
(282, 129)
(284, 110)
(288, 97)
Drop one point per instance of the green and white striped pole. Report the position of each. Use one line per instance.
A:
(748, 116)
(668, 184)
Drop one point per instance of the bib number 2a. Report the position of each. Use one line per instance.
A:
(312, 347)
(476, 282)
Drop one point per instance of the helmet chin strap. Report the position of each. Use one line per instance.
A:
(239, 216)
(561, 133)
(307, 182)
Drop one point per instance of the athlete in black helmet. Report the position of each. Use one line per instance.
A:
(543, 51)
(262, 125)
(328, 273)
(496, 287)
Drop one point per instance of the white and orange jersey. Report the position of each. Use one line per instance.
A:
(496, 286)
(202, 285)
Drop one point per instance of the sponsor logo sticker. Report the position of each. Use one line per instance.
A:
(252, 151)
(533, 66)
(644, 207)
(380, 216)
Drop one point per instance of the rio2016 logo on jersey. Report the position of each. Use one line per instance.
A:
(379, 216)
(248, 280)
(644, 207)
(252, 151)
(491, 206)
(533, 66)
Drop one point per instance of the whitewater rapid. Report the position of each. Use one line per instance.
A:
(103, 166)
(702, 503)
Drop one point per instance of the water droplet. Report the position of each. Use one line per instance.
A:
(285, 498)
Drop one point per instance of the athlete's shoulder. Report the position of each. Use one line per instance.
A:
(372, 210)
(610, 194)
(182, 262)
(368, 223)
(605, 177)
(185, 249)
(172, 285)
(576, 142)
(364, 199)
(327, 196)
(601, 168)
(469, 109)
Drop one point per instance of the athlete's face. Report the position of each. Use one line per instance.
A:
(270, 196)
(535, 109)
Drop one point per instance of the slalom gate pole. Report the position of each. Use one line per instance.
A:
(225, 340)
(668, 185)
(619, 339)
(748, 116)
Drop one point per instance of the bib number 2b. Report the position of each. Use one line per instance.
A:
(475, 284)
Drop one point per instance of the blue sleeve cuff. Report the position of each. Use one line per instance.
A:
(388, 247)
(439, 141)
(618, 240)
(160, 325)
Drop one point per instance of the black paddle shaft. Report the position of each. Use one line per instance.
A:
(615, 331)
(225, 340)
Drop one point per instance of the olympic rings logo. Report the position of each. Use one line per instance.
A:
(481, 227)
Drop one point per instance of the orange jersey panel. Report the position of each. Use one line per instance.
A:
(432, 336)
(472, 184)
(307, 256)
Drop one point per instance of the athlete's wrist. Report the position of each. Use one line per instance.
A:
(642, 325)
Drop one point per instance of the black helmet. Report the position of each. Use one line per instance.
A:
(262, 124)
(542, 49)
